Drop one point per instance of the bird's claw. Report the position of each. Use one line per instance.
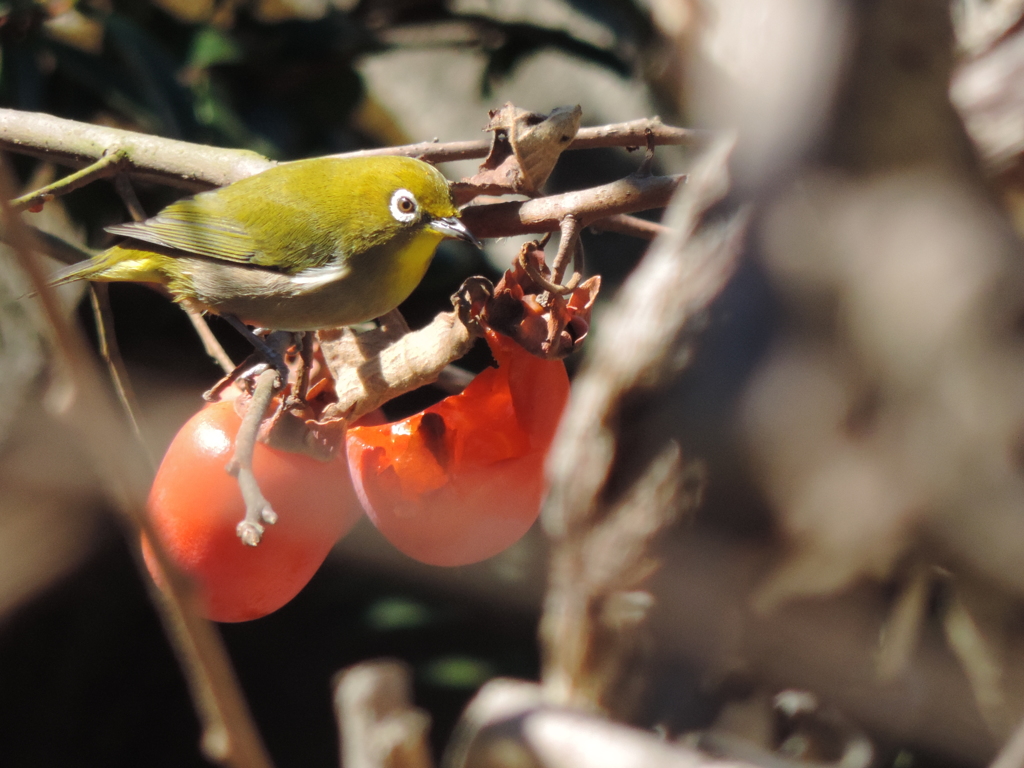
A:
(249, 532)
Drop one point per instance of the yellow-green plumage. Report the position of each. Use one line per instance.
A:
(307, 245)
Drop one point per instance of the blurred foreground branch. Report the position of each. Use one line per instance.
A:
(510, 723)
(605, 511)
(229, 734)
(377, 723)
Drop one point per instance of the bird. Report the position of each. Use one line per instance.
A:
(302, 246)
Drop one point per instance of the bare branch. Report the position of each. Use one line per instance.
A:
(630, 134)
(570, 229)
(212, 347)
(194, 166)
(665, 294)
(704, 620)
(110, 352)
(374, 367)
(76, 144)
(106, 166)
(52, 246)
(545, 214)
(625, 224)
(127, 194)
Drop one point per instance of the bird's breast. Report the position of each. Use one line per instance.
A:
(351, 290)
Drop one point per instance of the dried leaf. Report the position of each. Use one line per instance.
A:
(524, 150)
(547, 324)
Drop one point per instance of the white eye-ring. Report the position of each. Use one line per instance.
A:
(404, 206)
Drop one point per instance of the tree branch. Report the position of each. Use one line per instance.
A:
(168, 161)
(630, 134)
(545, 214)
(373, 367)
(194, 166)
(603, 539)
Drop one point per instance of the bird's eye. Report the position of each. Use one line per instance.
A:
(403, 205)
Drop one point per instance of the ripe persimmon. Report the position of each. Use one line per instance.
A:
(195, 506)
(464, 479)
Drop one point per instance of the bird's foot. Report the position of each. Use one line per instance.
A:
(271, 347)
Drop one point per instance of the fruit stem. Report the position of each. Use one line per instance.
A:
(257, 509)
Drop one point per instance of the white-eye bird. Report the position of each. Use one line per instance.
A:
(306, 245)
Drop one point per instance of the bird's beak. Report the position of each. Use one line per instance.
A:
(452, 227)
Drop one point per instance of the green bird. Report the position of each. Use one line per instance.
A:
(302, 246)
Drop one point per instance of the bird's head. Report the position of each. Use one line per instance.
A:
(420, 197)
(398, 196)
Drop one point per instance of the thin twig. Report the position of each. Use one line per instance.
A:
(549, 286)
(578, 259)
(126, 191)
(100, 297)
(257, 509)
(210, 344)
(107, 165)
(272, 351)
(54, 247)
(633, 226)
(110, 352)
(569, 247)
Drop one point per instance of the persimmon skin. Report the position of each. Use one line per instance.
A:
(464, 479)
(195, 506)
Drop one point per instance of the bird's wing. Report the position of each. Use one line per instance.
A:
(186, 226)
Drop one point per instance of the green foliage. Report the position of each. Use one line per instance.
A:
(287, 89)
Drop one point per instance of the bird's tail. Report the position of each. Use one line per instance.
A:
(82, 270)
